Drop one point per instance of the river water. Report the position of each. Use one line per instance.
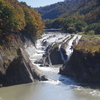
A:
(58, 87)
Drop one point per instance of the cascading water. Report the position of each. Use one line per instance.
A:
(71, 41)
(66, 40)
(47, 41)
(57, 87)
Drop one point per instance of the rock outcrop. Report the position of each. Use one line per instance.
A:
(52, 56)
(83, 67)
(15, 65)
(21, 70)
(55, 56)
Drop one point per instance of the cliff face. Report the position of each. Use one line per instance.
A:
(15, 65)
(83, 67)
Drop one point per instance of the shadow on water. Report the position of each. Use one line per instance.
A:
(90, 85)
(70, 81)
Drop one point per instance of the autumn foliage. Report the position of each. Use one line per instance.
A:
(89, 44)
(18, 17)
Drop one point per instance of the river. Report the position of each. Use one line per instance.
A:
(58, 87)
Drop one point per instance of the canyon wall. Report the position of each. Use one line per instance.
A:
(15, 65)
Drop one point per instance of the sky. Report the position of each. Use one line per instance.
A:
(40, 3)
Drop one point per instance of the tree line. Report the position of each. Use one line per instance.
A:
(16, 17)
(83, 16)
(72, 25)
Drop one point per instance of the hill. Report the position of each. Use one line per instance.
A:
(89, 9)
(73, 16)
(55, 10)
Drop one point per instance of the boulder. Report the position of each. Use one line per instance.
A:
(21, 70)
(55, 56)
(52, 57)
(83, 67)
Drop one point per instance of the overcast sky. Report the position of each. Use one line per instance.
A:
(38, 3)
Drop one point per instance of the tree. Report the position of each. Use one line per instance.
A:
(91, 32)
(11, 17)
(80, 25)
(34, 25)
(71, 30)
(95, 27)
(6, 17)
(58, 23)
(16, 17)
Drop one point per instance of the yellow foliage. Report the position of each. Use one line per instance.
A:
(16, 16)
(89, 44)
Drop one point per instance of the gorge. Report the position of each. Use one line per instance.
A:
(39, 64)
(57, 86)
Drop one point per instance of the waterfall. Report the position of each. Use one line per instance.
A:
(30, 48)
(73, 40)
(65, 42)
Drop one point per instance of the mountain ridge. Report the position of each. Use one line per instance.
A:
(88, 8)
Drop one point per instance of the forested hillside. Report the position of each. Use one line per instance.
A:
(54, 11)
(77, 16)
(16, 17)
(20, 25)
(89, 8)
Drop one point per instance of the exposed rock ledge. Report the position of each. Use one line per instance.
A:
(52, 57)
(82, 67)
(15, 65)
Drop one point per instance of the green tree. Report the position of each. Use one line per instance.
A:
(71, 30)
(69, 26)
(18, 17)
(11, 17)
(6, 17)
(91, 32)
(34, 25)
(95, 27)
(58, 23)
(48, 23)
(80, 25)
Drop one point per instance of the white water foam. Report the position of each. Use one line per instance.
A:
(70, 43)
(51, 39)
(53, 82)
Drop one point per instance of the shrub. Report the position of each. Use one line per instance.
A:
(91, 32)
(95, 27)
(79, 25)
(71, 30)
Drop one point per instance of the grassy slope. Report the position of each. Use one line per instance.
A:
(89, 44)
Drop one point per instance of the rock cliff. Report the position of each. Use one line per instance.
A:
(15, 65)
(83, 67)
